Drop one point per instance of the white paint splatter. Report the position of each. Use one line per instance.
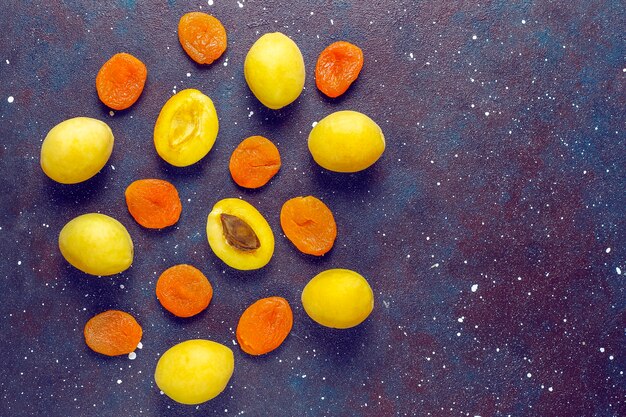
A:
(226, 62)
(474, 37)
(188, 74)
(119, 381)
(486, 113)
(434, 266)
(460, 319)
(111, 113)
(10, 99)
(132, 356)
(523, 22)
(9, 63)
(474, 287)
(210, 2)
(250, 114)
(608, 250)
(240, 4)
(313, 124)
(618, 270)
(332, 22)
(140, 345)
(529, 375)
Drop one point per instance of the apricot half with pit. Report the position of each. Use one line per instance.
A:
(239, 235)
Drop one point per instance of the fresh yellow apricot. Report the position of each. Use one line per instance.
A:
(346, 141)
(96, 244)
(338, 298)
(239, 235)
(274, 70)
(76, 149)
(186, 128)
(194, 371)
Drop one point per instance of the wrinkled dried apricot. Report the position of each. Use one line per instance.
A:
(338, 66)
(153, 203)
(183, 290)
(120, 81)
(309, 224)
(112, 333)
(264, 325)
(254, 162)
(202, 36)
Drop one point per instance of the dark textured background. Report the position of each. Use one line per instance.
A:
(504, 170)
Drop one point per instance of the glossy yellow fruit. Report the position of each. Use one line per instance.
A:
(239, 235)
(96, 244)
(194, 371)
(338, 298)
(274, 70)
(346, 141)
(186, 128)
(76, 149)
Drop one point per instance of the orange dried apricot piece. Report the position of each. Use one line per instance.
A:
(153, 203)
(183, 290)
(338, 66)
(309, 224)
(254, 162)
(264, 325)
(120, 81)
(112, 333)
(202, 36)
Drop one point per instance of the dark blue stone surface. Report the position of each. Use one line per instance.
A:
(491, 230)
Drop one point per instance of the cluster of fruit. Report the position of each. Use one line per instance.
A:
(185, 131)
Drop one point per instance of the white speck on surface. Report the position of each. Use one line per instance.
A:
(486, 113)
(332, 22)
(10, 99)
(210, 2)
(188, 74)
(132, 356)
(474, 37)
(411, 55)
(119, 381)
(434, 266)
(460, 319)
(608, 250)
(611, 357)
(9, 63)
(523, 22)
(226, 62)
(19, 262)
(251, 113)
(529, 375)
(140, 345)
(122, 286)
(386, 303)
(618, 270)
(313, 124)
(550, 389)
(602, 349)
(240, 4)
(111, 113)
(474, 287)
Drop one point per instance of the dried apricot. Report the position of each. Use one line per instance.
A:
(309, 224)
(264, 325)
(120, 81)
(112, 333)
(153, 203)
(338, 66)
(183, 290)
(254, 162)
(202, 36)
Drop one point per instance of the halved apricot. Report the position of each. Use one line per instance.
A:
(239, 235)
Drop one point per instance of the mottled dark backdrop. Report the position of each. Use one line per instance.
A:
(492, 229)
